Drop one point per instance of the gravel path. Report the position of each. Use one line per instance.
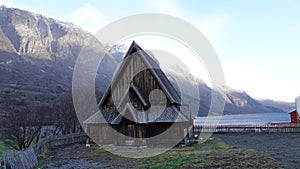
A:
(285, 147)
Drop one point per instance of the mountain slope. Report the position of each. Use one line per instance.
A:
(240, 102)
(287, 107)
(38, 54)
(37, 36)
(37, 57)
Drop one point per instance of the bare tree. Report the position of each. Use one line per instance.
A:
(66, 120)
(41, 116)
(20, 129)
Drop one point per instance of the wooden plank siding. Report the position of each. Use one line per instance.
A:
(143, 80)
(132, 124)
(140, 134)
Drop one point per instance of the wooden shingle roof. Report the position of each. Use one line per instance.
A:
(112, 116)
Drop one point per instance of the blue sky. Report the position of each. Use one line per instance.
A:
(258, 42)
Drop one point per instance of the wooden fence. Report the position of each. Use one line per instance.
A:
(247, 129)
(60, 140)
(28, 159)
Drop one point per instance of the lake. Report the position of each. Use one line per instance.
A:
(245, 119)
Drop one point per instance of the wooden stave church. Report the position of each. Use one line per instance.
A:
(140, 126)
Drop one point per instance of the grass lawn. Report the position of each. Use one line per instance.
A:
(211, 154)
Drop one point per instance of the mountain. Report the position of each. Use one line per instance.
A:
(285, 106)
(38, 54)
(240, 102)
(37, 57)
(236, 102)
(28, 34)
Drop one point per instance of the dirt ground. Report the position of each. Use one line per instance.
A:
(285, 147)
(78, 156)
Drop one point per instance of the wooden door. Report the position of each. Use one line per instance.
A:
(130, 130)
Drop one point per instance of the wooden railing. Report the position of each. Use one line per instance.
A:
(52, 141)
(247, 129)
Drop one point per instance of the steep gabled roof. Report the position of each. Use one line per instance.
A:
(155, 114)
(102, 117)
(155, 70)
(294, 111)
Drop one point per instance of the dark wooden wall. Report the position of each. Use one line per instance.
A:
(140, 134)
(136, 72)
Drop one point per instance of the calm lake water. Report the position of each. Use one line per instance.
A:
(244, 119)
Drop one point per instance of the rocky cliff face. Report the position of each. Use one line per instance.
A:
(37, 36)
(37, 57)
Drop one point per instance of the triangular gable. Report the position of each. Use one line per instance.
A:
(136, 91)
(138, 117)
(155, 71)
(161, 78)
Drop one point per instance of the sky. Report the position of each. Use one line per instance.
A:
(257, 42)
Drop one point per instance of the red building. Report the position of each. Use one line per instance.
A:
(294, 117)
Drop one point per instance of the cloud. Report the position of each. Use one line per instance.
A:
(259, 82)
(211, 25)
(6, 3)
(88, 18)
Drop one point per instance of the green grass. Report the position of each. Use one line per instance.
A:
(3, 148)
(212, 154)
